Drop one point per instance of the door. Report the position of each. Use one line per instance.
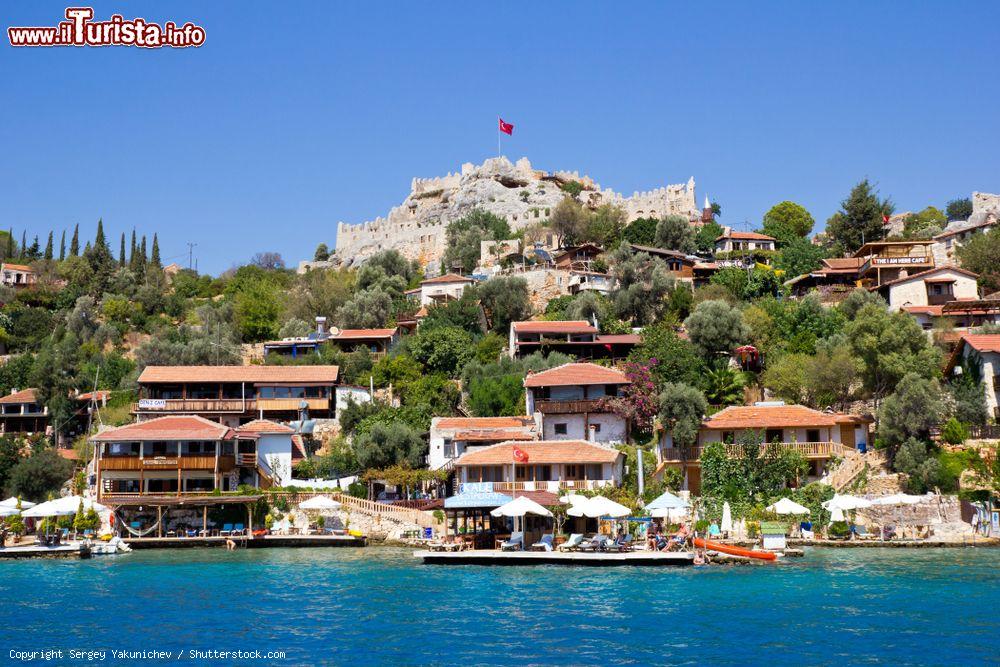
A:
(847, 435)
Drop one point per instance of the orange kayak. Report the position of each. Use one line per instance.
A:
(733, 551)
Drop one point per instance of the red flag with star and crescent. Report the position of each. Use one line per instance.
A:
(520, 455)
(506, 128)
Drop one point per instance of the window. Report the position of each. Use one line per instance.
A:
(200, 484)
(772, 434)
(812, 435)
(449, 448)
(560, 428)
(596, 427)
(728, 436)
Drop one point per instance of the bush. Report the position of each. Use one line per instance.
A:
(954, 432)
(838, 529)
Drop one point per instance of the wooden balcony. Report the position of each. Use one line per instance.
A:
(548, 407)
(194, 405)
(553, 486)
(896, 262)
(186, 462)
(810, 450)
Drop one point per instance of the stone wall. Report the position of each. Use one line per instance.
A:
(513, 191)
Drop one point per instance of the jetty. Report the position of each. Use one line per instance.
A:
(71, 550)
(492, 557)
(260, 542)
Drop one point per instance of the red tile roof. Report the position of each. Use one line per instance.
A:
(554, 326)
(23, 396)
(345, 334)
(630, 339)
(774, 416)
(298, 448)
(446, 278)
(262, 426)
(542, 451)
(171, 427)
(983, 342)
(470, 423)
(18, 267)
(572, 374)
(934, 311)
(262, 374)
(746, 236)
(68, 454)
(100, 395)
(493, 435)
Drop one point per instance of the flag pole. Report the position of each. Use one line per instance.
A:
(498, 136)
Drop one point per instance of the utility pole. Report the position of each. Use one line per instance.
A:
(191, 254)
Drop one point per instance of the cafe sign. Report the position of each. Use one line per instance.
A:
(152, 404)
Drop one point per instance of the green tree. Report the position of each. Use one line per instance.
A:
(722, 384)
(569, 221)
(672, 358)
(642, 283)
(915, 459)
(10, 456)
(912, 410)
(788, 222)
(464, 236)
(641, 231)
(959, 209)
(924, 224)
(501, 396)
(48, 249)
(389, 444)
(681, 410)
(981, 254)
(716, 328)
(294, 328)
(704, 240)
(121, 252)
(504, 299)
(860, 218)
(800, 256)
(35, 477)
(441, 349)
(62, 246)
(674, 232)
(605, 226)
(74, 244)
(858, 299)
(749, 284)
(154, 259)
(322, 253)
(257, 311)
(368, 309)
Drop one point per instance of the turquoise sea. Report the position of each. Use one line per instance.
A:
(376, 606)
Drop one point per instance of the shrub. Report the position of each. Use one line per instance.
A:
(954, 432)
(838, 529)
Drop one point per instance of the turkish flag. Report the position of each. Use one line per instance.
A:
(506, 128)
(520, 455)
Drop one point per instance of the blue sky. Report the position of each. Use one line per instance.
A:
(288, 120)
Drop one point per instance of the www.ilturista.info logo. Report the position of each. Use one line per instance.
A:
(80, 30)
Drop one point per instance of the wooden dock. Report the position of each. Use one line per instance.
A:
(264, 542)
(491, 557)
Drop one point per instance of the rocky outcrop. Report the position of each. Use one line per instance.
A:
(514, 191)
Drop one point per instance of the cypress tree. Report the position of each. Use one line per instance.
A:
(74, 244)
(99, 240)
(36, 250)
(62, 246)
(131, 254)
(86, 248)
(155, 259)
(143, 257)
(121, 252)
(48, 248)
(24, 243)
(10, 243)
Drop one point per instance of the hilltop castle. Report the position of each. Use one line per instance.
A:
(517, 192)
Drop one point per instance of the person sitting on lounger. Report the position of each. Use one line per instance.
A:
(679, 539)
(653, 536)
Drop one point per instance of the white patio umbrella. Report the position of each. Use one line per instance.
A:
(667, 500)
(9, 511)
(846, 503)
(898, 499)
(66, 506)
(599, 506)
(787, 506)
(837, 514)
(12, 502)
(727, 518)
(519, 507)
(321, 503)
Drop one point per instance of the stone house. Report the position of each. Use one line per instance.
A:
(567, 403)
(452, 437)
(981, 351)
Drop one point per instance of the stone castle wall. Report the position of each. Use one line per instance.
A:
(513, 191)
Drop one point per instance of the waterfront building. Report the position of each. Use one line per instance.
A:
(541, 465)
(820, 436)
(234, 395)
(451, 437)
(567, 403)
(578, 338)
(981, 352)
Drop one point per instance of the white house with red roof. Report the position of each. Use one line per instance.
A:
(442, 289)
(185, 455)
(934, 287)
(568, 403)
(732, 240)
(982, 352)
(541, 465)
(451, 437)
(819, 436)
(17, 275)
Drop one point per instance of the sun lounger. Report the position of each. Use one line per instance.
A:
(595, 543)
(238, 530)
(572, 543)
(625, 545)
(544, 544)
(227, 530)
(808, 534)
(516, 542)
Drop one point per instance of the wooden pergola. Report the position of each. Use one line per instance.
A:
(185, 502)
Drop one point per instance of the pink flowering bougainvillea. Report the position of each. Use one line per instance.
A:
(637, 402)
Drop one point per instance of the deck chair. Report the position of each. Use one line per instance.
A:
(544, 544)
(515, 543)
(594, 543)
(572, 543)
(238, 529)
(227, 530)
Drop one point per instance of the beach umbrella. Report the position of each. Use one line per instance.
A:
(668, 501)
(519, 507)
(599, 506)
(898, 499)
(9, 511)
(321, 503)
(667, 513)
(66, 506)
(837, 514)
(12, 502)
(787, 506)
(727, 518)
(846, 503)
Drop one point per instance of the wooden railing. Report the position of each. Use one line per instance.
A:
(816, 450)
(292, 404)
(549, 407)
(553, 486)
(185, 462)
(197, 405)
(375, 508)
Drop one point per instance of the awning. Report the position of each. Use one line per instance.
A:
(476, 500)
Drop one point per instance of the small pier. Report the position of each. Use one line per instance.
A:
(489, 557)
(71, 550)
(243, 542)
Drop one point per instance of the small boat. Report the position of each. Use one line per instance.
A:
(113, 546)
(734, 551)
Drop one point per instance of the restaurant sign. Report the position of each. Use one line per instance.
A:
(159, 462)
(895, 261)
(152, 403)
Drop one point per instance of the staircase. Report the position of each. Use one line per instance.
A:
(852, 467)
(392, 512)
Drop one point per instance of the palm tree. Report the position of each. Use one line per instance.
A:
(723, 385)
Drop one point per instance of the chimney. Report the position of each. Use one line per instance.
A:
(320, 325)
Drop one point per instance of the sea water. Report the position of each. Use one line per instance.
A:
(377, 606)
